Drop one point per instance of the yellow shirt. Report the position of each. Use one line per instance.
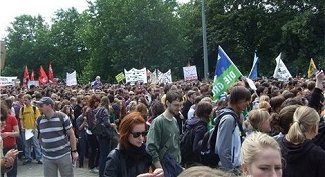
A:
(29, 117)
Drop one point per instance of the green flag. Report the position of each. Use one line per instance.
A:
(119, 77)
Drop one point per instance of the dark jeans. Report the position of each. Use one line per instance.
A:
(104, 149)
(93, 152)
(13, 171)
(82, 146)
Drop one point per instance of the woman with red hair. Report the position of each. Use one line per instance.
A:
(130, 157)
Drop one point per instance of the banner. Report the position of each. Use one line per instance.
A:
(120, 77)
(312, 68)
(7, 81)
(165, 77)
(153, 78)
(136, 75)
(226, 74)
(253, 73)
(36, 83)
(71, 79)
(281, 72)
(190, 73)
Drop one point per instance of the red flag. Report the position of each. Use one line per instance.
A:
(42, 77)
(32, 76)
(26, 77)
(51, 74)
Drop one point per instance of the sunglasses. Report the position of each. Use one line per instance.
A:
(137, 134)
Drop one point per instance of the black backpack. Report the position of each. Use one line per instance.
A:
(208, 143)
(186, 143)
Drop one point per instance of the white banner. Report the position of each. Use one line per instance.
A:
(281, 72)
(71, 79)
(190, 73)
(136, 75)
(29, 83)
(153, 78)
(5, 81)
(165, 77)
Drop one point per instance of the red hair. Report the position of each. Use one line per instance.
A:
(126, 126)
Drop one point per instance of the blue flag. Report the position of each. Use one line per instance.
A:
(253, 74)
(226, 74)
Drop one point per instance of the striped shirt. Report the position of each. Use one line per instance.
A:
(53, 138)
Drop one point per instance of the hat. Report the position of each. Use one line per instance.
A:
(45, 100)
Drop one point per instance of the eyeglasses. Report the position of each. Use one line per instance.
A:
(137, 134)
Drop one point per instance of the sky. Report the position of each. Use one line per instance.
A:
(46, 8)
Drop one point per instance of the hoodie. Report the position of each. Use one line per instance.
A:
(302, 160)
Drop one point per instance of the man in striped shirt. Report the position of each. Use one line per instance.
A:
(54, 130)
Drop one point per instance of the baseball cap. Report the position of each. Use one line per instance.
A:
(45, 100)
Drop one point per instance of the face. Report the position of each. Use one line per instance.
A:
(267, 164)
(137, 135)
(26, 101)
(44, 108)
(243, 104)
(174, 107)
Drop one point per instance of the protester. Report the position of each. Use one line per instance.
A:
(199, 124)
(163, 136)
(204, 171)
(55, 128)
(82, 136)
(259, 120)
(302, 156)
(260, 156)
(228, 140)
(131, 158)
(28, 115)
(9, 134)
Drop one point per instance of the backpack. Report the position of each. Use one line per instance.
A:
(60, 115)
(208, 143)
(186, 143)
(23, 107)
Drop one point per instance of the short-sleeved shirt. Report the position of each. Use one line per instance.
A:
(53, 139)
(29, 116)
(11, 122)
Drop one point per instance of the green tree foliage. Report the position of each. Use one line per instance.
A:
(112, 35)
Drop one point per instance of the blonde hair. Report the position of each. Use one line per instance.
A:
(264, 98)
(256, 117)
(254, 144)
(304, 120)
(204, 171)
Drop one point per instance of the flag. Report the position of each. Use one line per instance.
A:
(253, 73)
(42, 77)
(119, 77)
(71, 79)
(51, 74)
(32, 76)
(312, 68)
(226, 74)
(281, 72)
(26, 77)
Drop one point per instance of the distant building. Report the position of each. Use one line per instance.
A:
(2, 54)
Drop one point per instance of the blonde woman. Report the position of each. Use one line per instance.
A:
(260, 156)
(259, 120)
(303, 158)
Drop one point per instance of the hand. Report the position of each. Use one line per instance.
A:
(75, 156)
(8, 162)
(159, 172)
(12, 153)
(4, 134)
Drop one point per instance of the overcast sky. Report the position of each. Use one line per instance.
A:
(46, 8)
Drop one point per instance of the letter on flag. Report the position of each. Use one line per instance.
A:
(312, 68)
(26, 77)
(253, 73)
(226, 74)
(51, 74)
(281, 72)
(119, 77)
(42, 77)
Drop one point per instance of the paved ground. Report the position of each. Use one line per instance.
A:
(35, 170)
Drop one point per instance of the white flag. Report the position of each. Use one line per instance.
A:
(71, 79)
(281, 72)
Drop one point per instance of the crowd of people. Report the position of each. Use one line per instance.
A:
(139, 129)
